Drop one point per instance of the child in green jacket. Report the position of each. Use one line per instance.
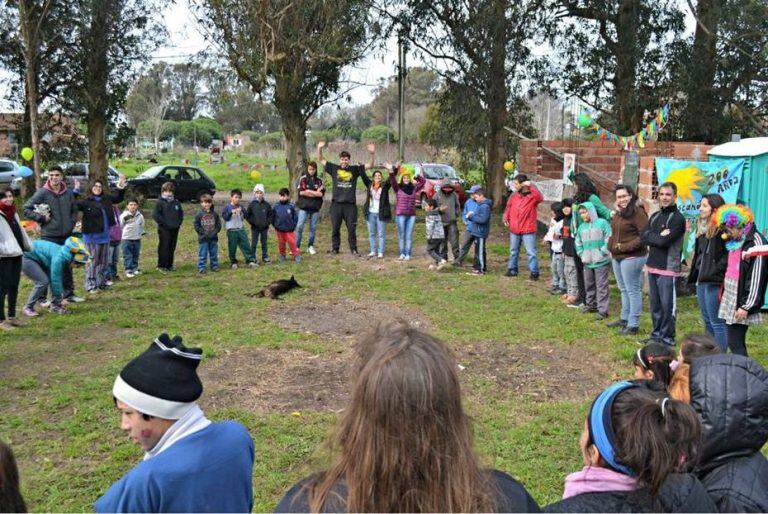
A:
(592, 248)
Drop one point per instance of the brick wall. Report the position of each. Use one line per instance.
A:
(605, 159)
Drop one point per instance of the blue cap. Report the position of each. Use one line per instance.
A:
(474, 189)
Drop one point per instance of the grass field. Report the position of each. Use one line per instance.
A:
(530, 366)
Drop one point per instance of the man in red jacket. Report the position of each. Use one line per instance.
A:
(520, 217)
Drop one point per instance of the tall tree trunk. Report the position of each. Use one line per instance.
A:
(97, 148)
(497, 108)
(294, 129)
(628, 111)
(700, 120)
(30, 39)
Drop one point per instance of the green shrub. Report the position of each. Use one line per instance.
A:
(378, 134)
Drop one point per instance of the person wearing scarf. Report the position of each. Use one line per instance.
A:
(13, 243)
(98, 218)
(745, 278)
(631, 461)
(406, 195)
(190, 464)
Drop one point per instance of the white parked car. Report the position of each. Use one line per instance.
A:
(9, 171)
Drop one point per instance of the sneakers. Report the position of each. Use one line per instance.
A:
(136, 272)
(265, 260)
(29, 312)
(297, 258)
(311, 250)
(109, 283)
(233, 266)
(334, 251)
(601, 316)
(534, 277)
(355, 253)
(372, 255)
(91, 292)
(441, 264)
(407, 258)
(75, 299)
(476, 273)
(129, 274)
(619, 323)
(215, 270)
(585, 309)
(45, 303)
(201, 272)
(629, 331)
(58, 309)
(510, 273)
(253, 264)
(380, 256)
(281, 258)
(401, 258)
(432, 267)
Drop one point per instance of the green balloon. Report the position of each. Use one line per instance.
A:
(585, 120)
(27, 153)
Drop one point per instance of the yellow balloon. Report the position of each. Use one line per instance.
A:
(256, 175)
(27, 153)
(509, 166)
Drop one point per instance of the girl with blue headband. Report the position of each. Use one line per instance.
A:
(635, 444)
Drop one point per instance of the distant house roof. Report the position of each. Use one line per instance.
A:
(748, 147)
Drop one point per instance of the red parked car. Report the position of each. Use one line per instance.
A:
(435, 174)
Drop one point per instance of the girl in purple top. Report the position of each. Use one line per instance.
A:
(407, 191)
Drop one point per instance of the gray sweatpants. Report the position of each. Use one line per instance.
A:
(451, 236)
(557, 267)
(596, 286)
(571, 276)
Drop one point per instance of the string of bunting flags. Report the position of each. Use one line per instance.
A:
(636, 140)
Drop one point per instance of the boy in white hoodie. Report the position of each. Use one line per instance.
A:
(133, 228)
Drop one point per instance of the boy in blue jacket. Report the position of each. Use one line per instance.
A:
(284, 219)
(477, 216)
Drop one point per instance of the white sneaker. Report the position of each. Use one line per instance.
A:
(441, 264)
(109, 283)
(137, 272)
(381, 256)
(76, 299)
(234, 266)
(407, 258)
(372, 254)
(432, 267)
(401, 258)
(129, 274)
(45, 303)
(312, 250)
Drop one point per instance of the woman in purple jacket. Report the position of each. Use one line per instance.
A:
(406, 193)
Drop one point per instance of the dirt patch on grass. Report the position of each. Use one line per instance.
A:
(265, 380)
(343, 319)
(538, 372)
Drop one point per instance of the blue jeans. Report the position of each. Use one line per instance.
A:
(529, 241)
(131, 249)
(313, 219)
(663, 300)
(112, 258)
(709, 304)
(629, 278)
(377, 231)
(405, 233)
(208, 249)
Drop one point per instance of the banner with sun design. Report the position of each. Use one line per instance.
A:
(694, 179)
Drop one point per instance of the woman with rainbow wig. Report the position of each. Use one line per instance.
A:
(745, 278)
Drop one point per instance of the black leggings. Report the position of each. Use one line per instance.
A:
(10, 274)
(736, 335)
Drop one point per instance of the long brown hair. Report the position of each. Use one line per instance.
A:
(10, 488)
(655, 435)
(404, 442)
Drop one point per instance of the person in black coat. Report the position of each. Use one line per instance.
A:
(710, 259)
(636, 445)
(730, 394)
(169, 216)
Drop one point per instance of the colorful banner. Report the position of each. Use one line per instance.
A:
(695, 179)
(660, 118)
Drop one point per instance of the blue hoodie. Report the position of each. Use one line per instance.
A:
(479, 225)
(285, 216)
(54, 258)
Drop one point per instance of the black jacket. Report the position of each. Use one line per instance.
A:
(168, 215)
(730, 394)
(93, 211)
(259, 214)
(710, 258)
(512, 496)
(680, 493)
(309, 183)
(665, 252)
(385, 209)
(753, 275)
